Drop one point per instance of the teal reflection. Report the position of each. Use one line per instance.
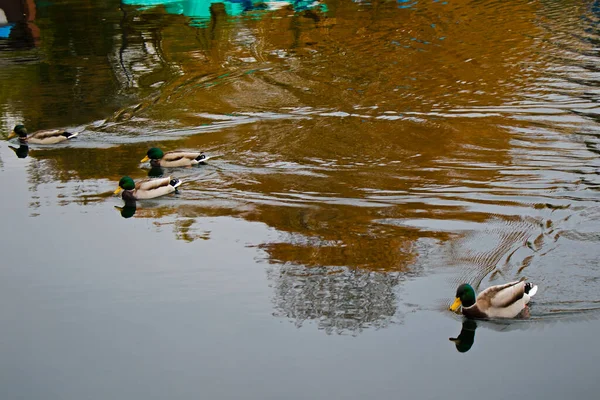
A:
(199, 10)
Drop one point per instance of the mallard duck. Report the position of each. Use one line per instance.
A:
(499, 301)
(147, 188)
(158, 158)
(50, 136)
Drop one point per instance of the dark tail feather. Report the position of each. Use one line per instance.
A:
(175, 182)
(530, 289)
(70, 135)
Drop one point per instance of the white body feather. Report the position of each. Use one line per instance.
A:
(501, 299)
(507, 312)
(173, 159)
(51, 136)
(532, 291)
(151, 188)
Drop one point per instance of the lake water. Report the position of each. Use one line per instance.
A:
(371, 156)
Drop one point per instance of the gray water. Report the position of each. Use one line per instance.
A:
(370, 157)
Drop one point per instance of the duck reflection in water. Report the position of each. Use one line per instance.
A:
(466, 337)
(128, 210)
(22, 151)
(156, 172)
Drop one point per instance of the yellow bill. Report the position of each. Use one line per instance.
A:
(12, 135)
(119, 189)
(456, 304)
(145, 159)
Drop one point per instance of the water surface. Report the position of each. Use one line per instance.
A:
(371, 157)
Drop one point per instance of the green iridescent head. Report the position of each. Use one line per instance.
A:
(127, 183)
(20, 130)
(153, 154)
(465, 296)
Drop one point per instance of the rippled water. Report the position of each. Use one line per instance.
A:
(371, 156)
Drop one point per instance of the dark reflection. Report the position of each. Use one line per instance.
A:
(20, 37)
(338, 300)
(465, 339)
(22, 151)
(156, 172)
(128, 210)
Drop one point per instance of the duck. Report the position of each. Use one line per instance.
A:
(498, 301)
(50, 136)
(173, 159)
(146, 189)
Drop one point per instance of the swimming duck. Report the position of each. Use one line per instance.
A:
(158, 158)
(147, 188)
(499, 301)
(50, 136)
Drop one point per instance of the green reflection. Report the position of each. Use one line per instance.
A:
(128, 210)
(156, 172)
(21, 152)
(465, 339)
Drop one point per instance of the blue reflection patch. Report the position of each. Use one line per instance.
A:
(199, 10)
(5, 30)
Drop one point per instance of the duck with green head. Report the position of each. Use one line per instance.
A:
(147, 188)
(499, 301)
(173, 159)
(50, 136)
